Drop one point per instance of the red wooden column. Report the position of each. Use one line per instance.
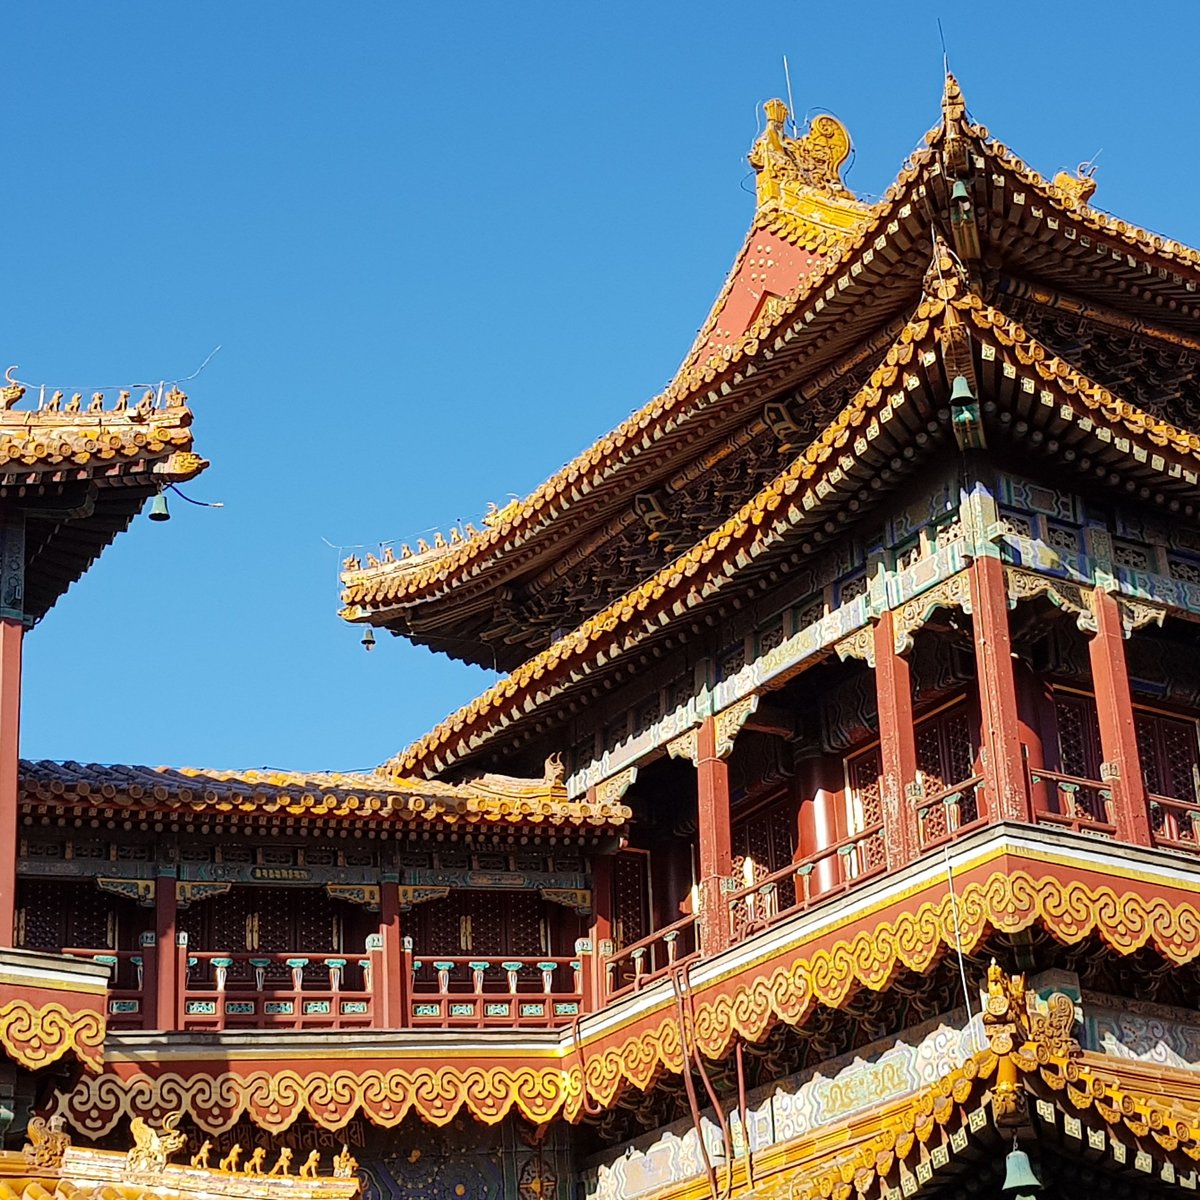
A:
(1118, 735)
(12, 632)
(601, 929)
(819, 785)
(1003, 768)
(716, 839)
(897, 744)
(389, 991)
(162, 1008)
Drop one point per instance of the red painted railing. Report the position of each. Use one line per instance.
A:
(474, 990)
(635, 965)
(1084, 805)
(949, 812)
(1175, 823)
(302, 990)
(126, 999)
(795, 887)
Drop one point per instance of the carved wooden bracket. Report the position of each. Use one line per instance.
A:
(954, 592)
(1062, 593)
(614, 788)
(729, 722)
(686, 745)
(1137, 613)
(860, 644)
(580, 899)
(141, 890)
(189, 892)
(411, 894)
(366, 894)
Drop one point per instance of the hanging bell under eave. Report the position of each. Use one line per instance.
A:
(1020, 1183)
(960, 391)
(959, 193)
(159, 510)
(368, 639)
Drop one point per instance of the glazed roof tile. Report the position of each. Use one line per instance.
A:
(366, 795)
(423, 577)
(76, 441)
(792, 497)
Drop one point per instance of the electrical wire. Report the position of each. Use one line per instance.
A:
(690, 1088)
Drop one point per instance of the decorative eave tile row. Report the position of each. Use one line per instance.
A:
(708, 566)
(1173, 455)
(489, 800)
(695, 390)
(78, 442)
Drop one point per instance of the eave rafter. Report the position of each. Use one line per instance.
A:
(863, 450)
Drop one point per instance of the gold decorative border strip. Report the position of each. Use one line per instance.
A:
(37, 1036)
(1070, 911)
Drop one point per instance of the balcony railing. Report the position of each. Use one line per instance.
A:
(948, 812)
(1071, 802)
(474, 990)
(635, 965)
(126, 972)
(283, 991)
(795, 887)
(1175, 823)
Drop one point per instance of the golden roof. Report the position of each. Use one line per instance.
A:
(798, 496)
(50, 1166)
(792, 174)
(365, 795)
(73, 438)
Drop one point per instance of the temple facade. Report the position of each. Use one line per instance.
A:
(835, 830)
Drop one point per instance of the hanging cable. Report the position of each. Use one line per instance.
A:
(742, 1112)
(587, 1109)
(690, 1088)
(714, 1099)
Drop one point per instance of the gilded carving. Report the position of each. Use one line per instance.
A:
(1070, 597)
(37, 1036)
(954, 592)
(48, 1142)
(580, 899)
(860, 644)
(729, 724)
(1075, 190)
(366, 894)
(188, 892)
(139, 890)
(411, 894)
(152, 1148)
(686, 746)
(1138, 613)
(614, 788)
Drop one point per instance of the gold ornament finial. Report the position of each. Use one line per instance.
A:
(1076, 191)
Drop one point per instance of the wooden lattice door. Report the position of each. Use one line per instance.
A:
(865, 810)
(55, 913)
(1167, 747)
(630, 898)
(763, 843)
(1079, 753)
(946, 757)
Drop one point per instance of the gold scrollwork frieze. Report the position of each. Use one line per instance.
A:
(859, 644)
(729, 722)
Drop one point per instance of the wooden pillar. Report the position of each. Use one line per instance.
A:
(1003, 768)
(11, 635)
(897, 745)
(391, 990)
(817, 824)
(716, 840)
(1122, 767)
(601, 932)
(1034, 728)
(164, 1003)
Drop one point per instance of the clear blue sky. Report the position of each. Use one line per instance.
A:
(443, 247)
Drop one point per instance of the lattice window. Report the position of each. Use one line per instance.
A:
(852, 589)
(1168, 750)
(1079, 750)
(1062, 538)
(1016, 524)
(771, 637)
(631, 898)
(945, 757)
(768, 840)
(57, 913)
(866, 805)
(732, 660)
(810, 613)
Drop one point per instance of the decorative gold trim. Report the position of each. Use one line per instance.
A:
(912, 615)
(614, 788)
(686, 746)
(139, 890)
(1070, 597)
(37, 1036)
(729, 722)
(189, 892)
(366, 894)
(859, 644)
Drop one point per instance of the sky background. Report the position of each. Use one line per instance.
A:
(443, 247)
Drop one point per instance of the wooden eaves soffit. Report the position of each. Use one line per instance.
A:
(74, 472)
(815, 298)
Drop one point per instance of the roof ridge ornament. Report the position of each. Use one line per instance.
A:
(802, 176)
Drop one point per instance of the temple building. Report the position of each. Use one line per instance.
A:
(834, 832)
